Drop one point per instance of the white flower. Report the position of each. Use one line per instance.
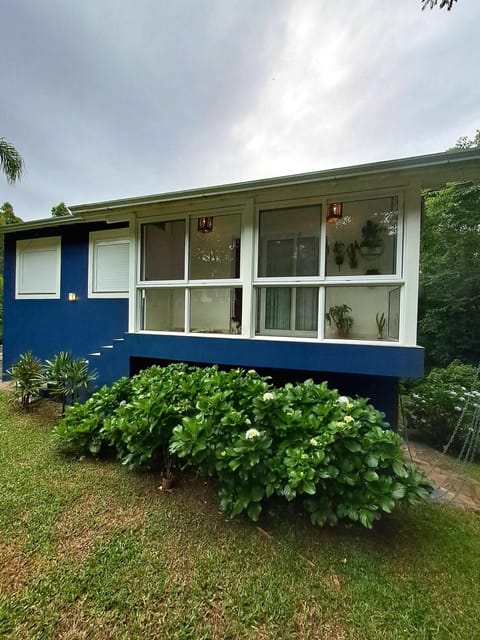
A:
(123, 403)
(349, 406)
(223, 454)
(252, 433)
(313, 442)
(348, 419)
(248, 421)
(415, 396)
(457, 408)
(252, 372)
(462, 398)
(268, 396)
(343, 400)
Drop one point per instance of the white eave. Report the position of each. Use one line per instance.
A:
(430, 171)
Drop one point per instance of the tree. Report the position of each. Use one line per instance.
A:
(11, 162)
(467, 143)
(440, 3)
(7, 215)
(60, 210)
(449, 302)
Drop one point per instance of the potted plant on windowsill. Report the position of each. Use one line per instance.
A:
(339, 315)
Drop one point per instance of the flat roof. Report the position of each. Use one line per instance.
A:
(445, 164)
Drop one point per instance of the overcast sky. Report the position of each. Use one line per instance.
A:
(108, 99)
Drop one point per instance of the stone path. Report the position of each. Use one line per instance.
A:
(450, 477)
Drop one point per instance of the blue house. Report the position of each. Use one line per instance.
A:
(310, 275)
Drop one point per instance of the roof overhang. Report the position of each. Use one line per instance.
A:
(426, 172)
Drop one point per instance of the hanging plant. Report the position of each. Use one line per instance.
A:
(352, 254)
(339, 253)
(372, 242)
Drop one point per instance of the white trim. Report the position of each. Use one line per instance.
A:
(411, 249)
(108, 237)
(132, 280)
(38, 245)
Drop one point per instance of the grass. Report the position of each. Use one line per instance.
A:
(89, 550)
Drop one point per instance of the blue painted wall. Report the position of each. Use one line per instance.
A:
(49, 326)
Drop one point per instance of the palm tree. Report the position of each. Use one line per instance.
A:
(11, 162)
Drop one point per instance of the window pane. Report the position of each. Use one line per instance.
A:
(110, 268)
(287, 311)
(364, 240)
(39, 272)
(216, 310)
(163, 250)
(164, 309)
(362, 313)
(215, 251)
(289, 242)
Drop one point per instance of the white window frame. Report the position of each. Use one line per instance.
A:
(322, 281)
(109, 237)
(37, 245)
(186, 283)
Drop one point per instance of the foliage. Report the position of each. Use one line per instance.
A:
(7, 215)
(300, 441)
(60, 210)
(11, 162)
(449, 301)
(81, 429)
(67, 376)
(467, 143)
(339, 316)
(140, 429)
(27, 375)
(441, 3)
(446, 400)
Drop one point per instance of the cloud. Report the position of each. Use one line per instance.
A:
(104, 103)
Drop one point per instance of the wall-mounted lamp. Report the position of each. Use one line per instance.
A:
(205, 225)
(334, 211)
(72, 297)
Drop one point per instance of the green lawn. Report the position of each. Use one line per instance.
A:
(89, 550)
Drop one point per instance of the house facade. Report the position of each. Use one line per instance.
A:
(311, 275)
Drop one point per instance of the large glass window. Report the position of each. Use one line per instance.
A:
(214, 251)
(362, 312)
(216, 310)
(163, 309)
(287, 311)
(362, 237)
(288, 242)
(163, 250)
(208, 251)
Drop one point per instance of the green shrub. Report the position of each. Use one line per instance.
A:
(27, 375)
(302, 441)
(66, 377)
(443, 407)
(80, 431)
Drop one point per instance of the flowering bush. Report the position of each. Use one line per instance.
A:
(446, 400)
(302, 441)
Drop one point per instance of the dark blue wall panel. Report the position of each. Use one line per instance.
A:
(338, 358)
(49, 326)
